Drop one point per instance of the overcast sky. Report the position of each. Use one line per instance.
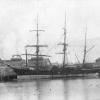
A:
(18, 17)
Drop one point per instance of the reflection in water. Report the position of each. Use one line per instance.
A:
(77, 89)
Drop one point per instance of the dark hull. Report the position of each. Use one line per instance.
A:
(60, 72)
(8, 78)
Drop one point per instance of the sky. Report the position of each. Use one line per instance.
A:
(18, 17)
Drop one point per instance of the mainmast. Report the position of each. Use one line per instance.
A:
(64, 45)
(64, 48)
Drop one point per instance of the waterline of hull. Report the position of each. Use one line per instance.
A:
(31, 77)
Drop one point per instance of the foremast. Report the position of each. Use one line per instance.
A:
(37, 46)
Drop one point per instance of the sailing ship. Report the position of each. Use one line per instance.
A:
(39, 66)
(81, 70)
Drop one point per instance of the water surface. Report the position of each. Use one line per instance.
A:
(72, 89)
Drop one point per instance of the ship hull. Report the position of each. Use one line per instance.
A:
(27, 74)
(70, 76)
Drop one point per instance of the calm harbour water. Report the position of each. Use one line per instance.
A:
(73, 89)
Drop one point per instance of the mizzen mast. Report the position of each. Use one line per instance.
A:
(85, 48)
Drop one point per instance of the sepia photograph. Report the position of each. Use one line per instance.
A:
(49, 50)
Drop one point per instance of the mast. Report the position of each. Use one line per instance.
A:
(85, 48)
(37, 46)
(26, 57)
(64, 44)
(37, 42)
(65, 54)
